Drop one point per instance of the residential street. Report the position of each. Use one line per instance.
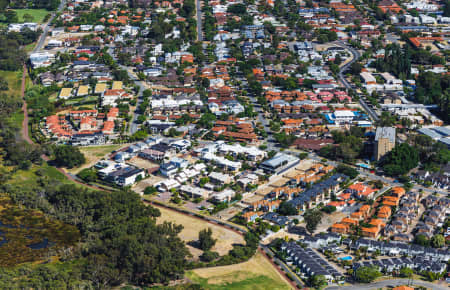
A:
(388, 283)
(41, 40)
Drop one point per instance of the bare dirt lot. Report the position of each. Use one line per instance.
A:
(142, 163)
(93, 154)
(225, 238)
(150, 181)
(329, 219)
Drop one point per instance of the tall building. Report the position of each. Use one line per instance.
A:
(384, 141)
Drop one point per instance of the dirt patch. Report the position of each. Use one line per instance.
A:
(225, 238)
(150, 181)
(282, 234)
(328, 220)
(142, 163)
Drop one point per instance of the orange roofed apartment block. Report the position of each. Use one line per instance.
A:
(389, 6)
(374, 231)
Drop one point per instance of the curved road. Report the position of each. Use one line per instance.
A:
(388, 283)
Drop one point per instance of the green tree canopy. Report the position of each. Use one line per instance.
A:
(206, 241)
(367, 274)
(69, 156)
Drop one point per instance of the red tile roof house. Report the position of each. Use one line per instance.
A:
(361, 191)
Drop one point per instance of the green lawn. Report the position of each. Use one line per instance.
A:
(236, 282)
(38, 14)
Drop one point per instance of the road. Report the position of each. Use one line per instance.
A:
(199, 20)
(134, 126)
(355, 55)
(388, 283)
(41, 40)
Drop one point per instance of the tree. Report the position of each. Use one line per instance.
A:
(400, 160)
(347, 170)
(355, 68)
(28, 17)
(206, 241)
(421, 240)
(238, 9)
(303, 155)
(447, 8)
(87, 175)
(11, 16)
(69, 156)
(367, 274)
(312, 217)
(317, 281)
(209, 256)
(287, 209)
(438, 241)
(406, 272)
(150, 190)
(329, 209)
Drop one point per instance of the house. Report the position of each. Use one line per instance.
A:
(362, 213)
(340, 228)
(109, 97)
(224, 195)
(168, 169)
(384, 212)
(317, 193)
(86, 139)
(153, 155)
(195, 192)
(220, 178)
(371, 232)
(308, 261)
(126, 176)
(251, 216)
(361, 191)
(276, 219)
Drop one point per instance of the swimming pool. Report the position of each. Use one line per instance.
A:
(346, 258)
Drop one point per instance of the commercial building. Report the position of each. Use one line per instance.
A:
(279, 163)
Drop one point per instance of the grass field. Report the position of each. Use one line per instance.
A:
(14, 79)
(257, 273)
(93, 154)
(225, 238)
(38, 14)
(29, 178)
